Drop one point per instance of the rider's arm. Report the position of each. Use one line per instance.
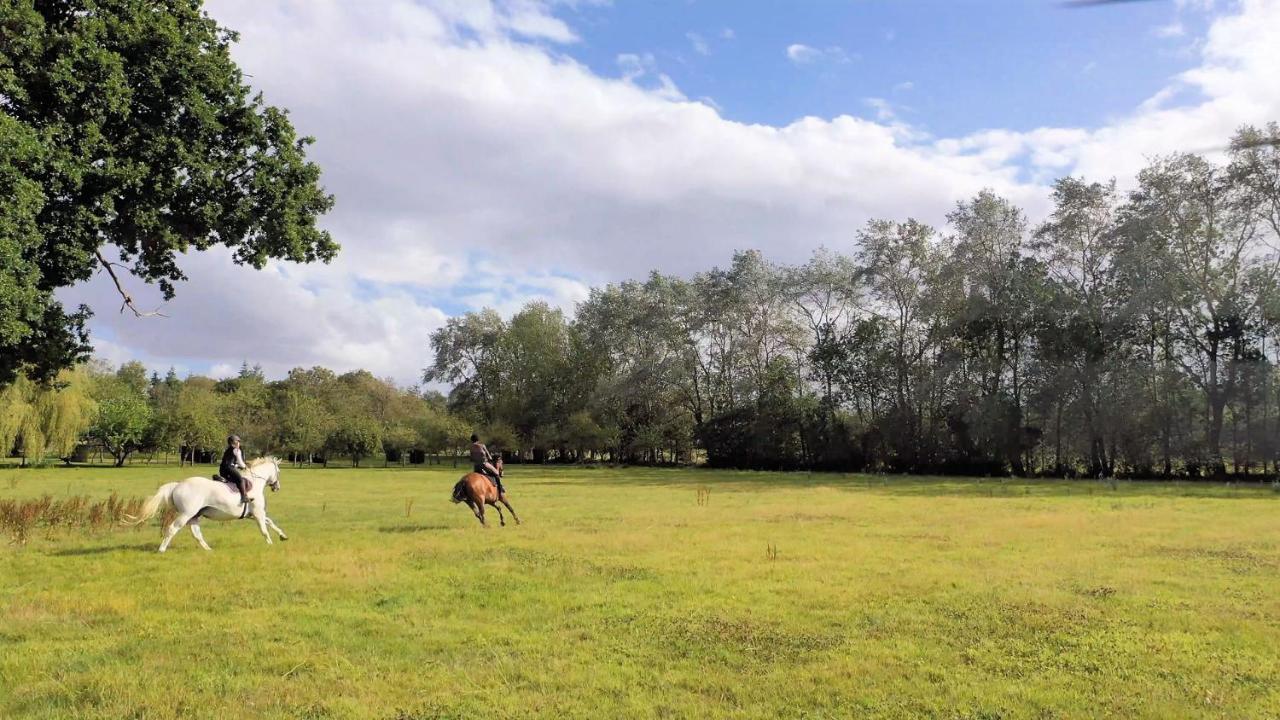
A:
(240, 459)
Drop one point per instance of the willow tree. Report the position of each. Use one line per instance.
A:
(128, 137)
(44, 420)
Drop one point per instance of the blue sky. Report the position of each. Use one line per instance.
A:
(970, 64)
(489, 153)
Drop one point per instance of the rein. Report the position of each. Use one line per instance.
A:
(263, 482)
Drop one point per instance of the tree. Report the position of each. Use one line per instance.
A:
(533, 354)
(127, 138)
(305, 423)
(1201, 229)
(465, 354)
(995, 324)
(193, 417)
(1084, 341)
(123, 417)
(44, 419)
(584, 435)
(355, 436)
(900, 264)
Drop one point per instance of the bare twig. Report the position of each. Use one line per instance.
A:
(128, 299)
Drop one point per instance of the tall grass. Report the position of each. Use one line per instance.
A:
(19, 518)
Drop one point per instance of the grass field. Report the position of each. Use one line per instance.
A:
(622, 596)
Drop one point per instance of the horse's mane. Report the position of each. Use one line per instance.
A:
(263, 461)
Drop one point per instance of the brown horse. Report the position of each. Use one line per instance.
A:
(477, 490)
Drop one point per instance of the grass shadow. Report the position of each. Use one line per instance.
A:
(403, 529)
(77, 552)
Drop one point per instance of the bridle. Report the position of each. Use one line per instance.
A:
(274, 482)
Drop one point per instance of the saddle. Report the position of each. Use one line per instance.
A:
(248, 484)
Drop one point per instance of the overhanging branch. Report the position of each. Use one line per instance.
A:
(128, 299)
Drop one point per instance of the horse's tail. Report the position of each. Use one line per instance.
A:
(153, 505)
(460, 491)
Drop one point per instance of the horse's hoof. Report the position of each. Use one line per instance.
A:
(283, 538)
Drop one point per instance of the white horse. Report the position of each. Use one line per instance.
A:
(203, 497)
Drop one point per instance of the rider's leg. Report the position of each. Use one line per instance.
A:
(235, 475)
(492, 472)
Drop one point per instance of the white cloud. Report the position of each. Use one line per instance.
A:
(1171, 30)
(699, 43)
(728, 34)
(884, 111)
(802, 54)
(474, 163)
(904, 86)
(635, 67)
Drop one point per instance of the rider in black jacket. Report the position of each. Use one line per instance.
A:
(231, 465)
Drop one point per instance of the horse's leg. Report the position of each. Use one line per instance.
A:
(274, 526)
(502, 519)
(503, 498)
(477, 507)
(177, 524)
(195, 530)
(261, 517)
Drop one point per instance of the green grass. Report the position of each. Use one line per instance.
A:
(621, 596)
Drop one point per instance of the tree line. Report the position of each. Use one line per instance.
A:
(1128, 334)
(312, 415)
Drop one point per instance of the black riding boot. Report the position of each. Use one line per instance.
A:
(498, 479)
(244, 496)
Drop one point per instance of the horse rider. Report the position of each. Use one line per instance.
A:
(482, 461)
(231, 465)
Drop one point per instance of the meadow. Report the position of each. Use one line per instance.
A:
(653, 593)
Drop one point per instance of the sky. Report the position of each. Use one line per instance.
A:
(486, 153)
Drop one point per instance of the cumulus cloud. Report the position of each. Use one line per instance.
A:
(637, 68)
(802, 54)
(475, 163)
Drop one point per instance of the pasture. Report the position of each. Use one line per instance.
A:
(653, 593)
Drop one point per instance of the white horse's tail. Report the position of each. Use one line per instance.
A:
(153, 505)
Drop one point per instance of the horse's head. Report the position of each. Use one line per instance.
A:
(268, 468)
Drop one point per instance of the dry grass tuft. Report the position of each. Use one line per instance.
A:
(19, 518)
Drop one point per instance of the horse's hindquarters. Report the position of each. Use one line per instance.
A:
(479, 488)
